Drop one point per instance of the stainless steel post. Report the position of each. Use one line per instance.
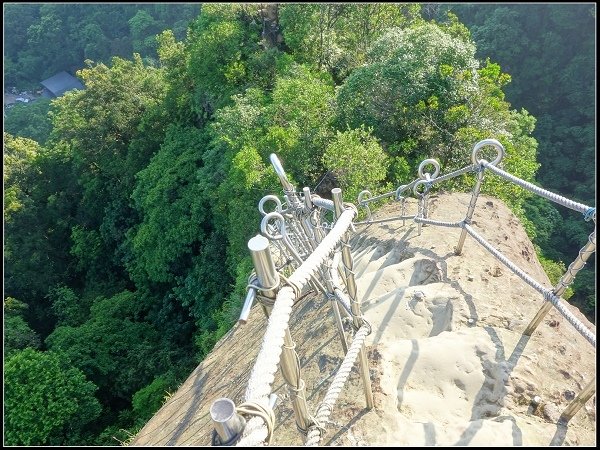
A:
(250, 297)
(352, 293)
(586, 251)
(290, 368)
(228, 424)
(579, 401)
(470, 211)
(268, 278)
(308, 206)
(288, 187)
(338, 322)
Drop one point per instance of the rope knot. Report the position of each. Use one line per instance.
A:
(294, 286)
(259, 410)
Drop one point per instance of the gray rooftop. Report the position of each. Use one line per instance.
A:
(61, 83)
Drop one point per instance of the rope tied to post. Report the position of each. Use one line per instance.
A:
(286, 281)
(253, 284)
(255, 409)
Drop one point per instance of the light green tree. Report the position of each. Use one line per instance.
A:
(357, 160)
(46, 401)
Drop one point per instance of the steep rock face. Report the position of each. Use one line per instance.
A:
(448, 361)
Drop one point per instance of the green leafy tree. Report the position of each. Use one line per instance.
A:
(29, 120)
(44, 39)
(216, 57)
(336, 37)
(143, 30)
(425, 96)
(19, 156)
(358, 161)
(40, 193)
(17, 333)
(301, 114)
(69, 309)
(46, 401)
(169, 194)
(116, 349)
(149, 399)
(112, 128)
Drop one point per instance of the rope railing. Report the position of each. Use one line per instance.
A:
(265, 367)
(335, 388)
(306, 244)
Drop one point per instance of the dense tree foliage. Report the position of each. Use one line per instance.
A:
(18, 334)
(30, 120)
(46, 400)
(44, 39)
(127, 213)
(549, 51)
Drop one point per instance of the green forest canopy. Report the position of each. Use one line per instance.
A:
(134, 201)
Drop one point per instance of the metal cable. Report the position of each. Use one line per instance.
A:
(322, 203)
(579, 207)
(547, 293)
(326, 407)
(438, 222)
(467, 169)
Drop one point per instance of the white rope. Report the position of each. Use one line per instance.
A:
(326, 406)
(259, 428)
(583, 209)
(263, 372)
(547, 293)
(261, 414)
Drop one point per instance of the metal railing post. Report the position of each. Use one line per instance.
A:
(481, 163)
(352, 293)
(579, 401)
(228, 423)
(586, 251)
(288, 188)
(290, 368)
(470, 211)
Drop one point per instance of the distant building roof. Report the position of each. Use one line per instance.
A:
(61, 83)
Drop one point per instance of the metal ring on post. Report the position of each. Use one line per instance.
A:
(361, 195)
(420, 183)
(493, 143)
(265, 199)
(434, 163)
(264, 229)
(399, 192)
(365, 205)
